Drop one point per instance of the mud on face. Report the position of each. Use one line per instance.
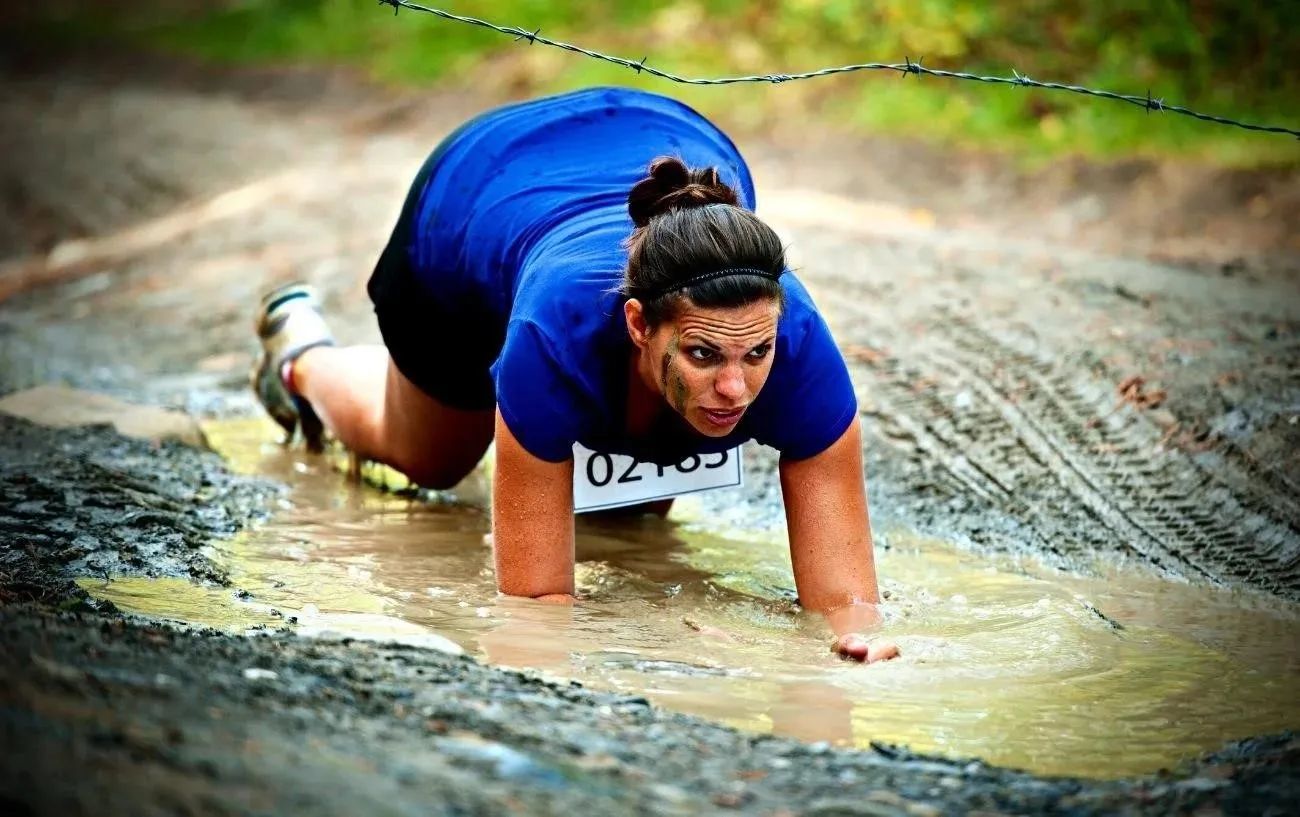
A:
(712, 363)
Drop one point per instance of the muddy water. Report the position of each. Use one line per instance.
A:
(1006, 662)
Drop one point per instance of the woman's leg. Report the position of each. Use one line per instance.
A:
(378, 411)
(379, 415)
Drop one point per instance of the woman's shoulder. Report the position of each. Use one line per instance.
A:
(574, 309)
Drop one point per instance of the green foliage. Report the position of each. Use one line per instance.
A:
(1218, 57)
(1225, 58)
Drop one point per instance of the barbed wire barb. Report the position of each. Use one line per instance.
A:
(905, 68)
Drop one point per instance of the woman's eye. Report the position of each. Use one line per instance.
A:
(700, 353)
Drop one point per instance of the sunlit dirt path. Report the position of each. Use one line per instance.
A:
(1043, 373)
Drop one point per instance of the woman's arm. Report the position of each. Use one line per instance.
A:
(532, 522)
(830, 543)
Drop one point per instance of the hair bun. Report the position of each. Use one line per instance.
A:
(670, 185)
(669, 173)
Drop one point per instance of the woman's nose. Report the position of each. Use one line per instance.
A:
(730, 383)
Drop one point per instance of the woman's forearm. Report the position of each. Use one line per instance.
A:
(532, 521)
(829, 527)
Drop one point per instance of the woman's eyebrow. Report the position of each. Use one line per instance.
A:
(703, 341)
(693, 339)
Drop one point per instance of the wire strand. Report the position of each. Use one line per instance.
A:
(905, 68)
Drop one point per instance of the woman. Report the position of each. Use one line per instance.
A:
(587, 268)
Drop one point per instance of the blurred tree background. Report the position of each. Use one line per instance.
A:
(1215, 56)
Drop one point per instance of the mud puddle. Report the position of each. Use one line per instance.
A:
(1010, 663)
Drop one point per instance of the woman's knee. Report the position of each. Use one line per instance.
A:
(434, 445)
(435, 476)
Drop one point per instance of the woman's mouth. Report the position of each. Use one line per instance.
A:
(723, 418)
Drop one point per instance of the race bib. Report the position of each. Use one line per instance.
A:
(604, 481)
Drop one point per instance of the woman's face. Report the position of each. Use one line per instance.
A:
(709, 364)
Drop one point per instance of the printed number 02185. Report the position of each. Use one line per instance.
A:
(604, 481)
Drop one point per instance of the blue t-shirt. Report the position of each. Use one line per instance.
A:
(526, 210)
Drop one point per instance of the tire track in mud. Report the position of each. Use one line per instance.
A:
(1160, 503)
(1083, 474)
(1262, 471)
(967, 437)
(1264, 488)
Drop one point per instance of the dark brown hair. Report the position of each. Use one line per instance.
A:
(689, 223)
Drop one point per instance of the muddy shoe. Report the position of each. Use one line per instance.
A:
(289, 322)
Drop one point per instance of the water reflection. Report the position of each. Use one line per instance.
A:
(1057, 674)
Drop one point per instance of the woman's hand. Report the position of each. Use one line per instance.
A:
(864, 648)
(853, 625)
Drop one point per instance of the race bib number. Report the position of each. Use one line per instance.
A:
(604, 481)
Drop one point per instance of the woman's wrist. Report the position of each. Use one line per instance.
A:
(557, 598)
(855, 617)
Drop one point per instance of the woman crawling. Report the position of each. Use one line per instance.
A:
(588, 268)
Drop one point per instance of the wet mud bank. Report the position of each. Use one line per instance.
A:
(146, 719)
(143, 717)
(89, 501)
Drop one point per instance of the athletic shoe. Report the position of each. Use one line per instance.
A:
(289, 322)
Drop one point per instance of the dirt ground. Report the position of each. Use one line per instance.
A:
(1092, 363)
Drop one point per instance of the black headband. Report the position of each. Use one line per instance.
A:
(711, 276)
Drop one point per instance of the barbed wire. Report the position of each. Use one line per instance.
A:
(905, 68)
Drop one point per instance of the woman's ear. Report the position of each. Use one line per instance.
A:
(637, 328)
